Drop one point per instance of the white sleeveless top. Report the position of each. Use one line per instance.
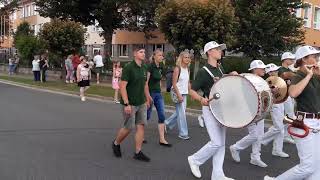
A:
(84, 72)
(183, 81)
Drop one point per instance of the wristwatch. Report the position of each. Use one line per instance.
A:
(126, 104)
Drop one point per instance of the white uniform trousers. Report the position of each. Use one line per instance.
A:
(215, 148)
(256, 131)
(288, 110)
(308, 151)
(275, 132)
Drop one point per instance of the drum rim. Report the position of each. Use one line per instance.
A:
(255, 90)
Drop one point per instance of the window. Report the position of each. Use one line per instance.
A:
(112, 50)
(307, 16)
(22, 12)
(298, 12)
(27, 11)
(316, 18)
(32, 10)
(96, 50)
(158, 46)
(35, 10)
(123, 50)
(14, 16)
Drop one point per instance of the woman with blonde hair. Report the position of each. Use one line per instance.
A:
(154, 76)
(180, 87)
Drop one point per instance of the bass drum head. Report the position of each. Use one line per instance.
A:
(238, 104)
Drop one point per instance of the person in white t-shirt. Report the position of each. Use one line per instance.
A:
(98, 61)
(36, 68)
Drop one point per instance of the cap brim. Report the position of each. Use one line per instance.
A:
(223, 46)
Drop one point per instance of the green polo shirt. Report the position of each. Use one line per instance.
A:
(204, 81)
(136, 76)
(282, 70)
(309, 99)
(155, 77)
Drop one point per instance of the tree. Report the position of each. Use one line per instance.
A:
(62, 37)
(28, 46)
(22, 30)
(268, 27)
(188, 24)
(111, 14)
(26, 42)
(7, 7)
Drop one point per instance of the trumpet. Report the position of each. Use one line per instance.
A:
(294, 123)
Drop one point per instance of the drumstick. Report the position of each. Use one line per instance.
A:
(215, 96)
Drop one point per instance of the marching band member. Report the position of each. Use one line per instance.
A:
(256, 130)
(275, 132)
(304, 88)
(287, 59)
(215, 148)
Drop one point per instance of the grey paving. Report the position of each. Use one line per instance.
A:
(46, 136)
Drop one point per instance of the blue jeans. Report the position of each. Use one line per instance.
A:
(36, 75)
(159, 104)
(179, 117)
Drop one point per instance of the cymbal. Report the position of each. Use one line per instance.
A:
(278, 88)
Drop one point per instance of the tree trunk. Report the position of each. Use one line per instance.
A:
(196, 65)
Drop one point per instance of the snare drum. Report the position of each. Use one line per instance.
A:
(244, 99)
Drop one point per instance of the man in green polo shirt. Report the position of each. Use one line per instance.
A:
(134, 90)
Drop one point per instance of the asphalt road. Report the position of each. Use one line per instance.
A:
(45, 136)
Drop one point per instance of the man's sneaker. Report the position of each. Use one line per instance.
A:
(194, 168)
(83, 98)
(259, 163)
(201, 122)
(288, 140)
(235, 154)
(116, 149)
(224, 178)
(184, 137)
(141, 157)
(280, 154)
(268, 178)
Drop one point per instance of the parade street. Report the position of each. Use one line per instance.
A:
(46, 136)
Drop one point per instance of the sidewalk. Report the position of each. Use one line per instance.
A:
(103, 91)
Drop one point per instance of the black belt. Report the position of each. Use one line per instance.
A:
(308, 115)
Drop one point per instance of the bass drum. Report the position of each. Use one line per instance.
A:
(244, 99)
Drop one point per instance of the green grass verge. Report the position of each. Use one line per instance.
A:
(94, 89)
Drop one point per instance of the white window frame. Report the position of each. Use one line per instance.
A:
(22, 12)
(96, 49)
(155, 47)
(307, 18)
(112, 50)
(298, 12)
(14, 15)
(316, 21)
(121, 49)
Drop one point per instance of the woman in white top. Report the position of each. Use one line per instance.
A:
(36, 68)
(83, 77)
(180, 84)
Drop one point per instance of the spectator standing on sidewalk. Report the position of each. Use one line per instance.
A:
(36, 68)
(44, 65)
(98, 61)
(16, 63)
(11, 66)
(75, 62)
(117, 71)
(69, 69)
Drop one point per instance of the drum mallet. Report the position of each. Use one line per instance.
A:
(215, 96)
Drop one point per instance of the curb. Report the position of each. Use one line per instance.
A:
(109, 100)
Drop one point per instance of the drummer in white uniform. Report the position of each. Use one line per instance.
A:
(304, 88)
(256, 130)
(215, 148)
(277, 131)
(287, 59)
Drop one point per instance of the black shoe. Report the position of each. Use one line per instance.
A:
(116, 149)
(144, 141)
(141, 157)
(165, 145)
